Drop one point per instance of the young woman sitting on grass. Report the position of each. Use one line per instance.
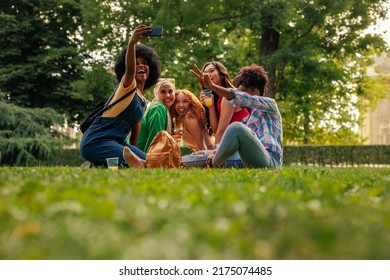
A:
(258, 138)
(157, 117)
(137, 67)
(221, 113)
(189, 115)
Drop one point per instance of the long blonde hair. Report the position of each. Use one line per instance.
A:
(156, 90)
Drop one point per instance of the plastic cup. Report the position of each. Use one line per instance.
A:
(177, 137)
(112, 163)
(208, 101)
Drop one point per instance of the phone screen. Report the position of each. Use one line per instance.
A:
(156, 31)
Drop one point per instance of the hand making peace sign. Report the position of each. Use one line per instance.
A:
(203, 78)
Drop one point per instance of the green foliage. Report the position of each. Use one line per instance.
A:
(39, 58)
(339, 155)
(96, 85)
(316, 52)
(293, 213)
(27, 136)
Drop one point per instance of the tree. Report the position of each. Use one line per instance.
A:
(39, 59)
(96, 84)
(27, 135)
(315, 52)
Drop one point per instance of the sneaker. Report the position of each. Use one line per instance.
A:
(86, 165)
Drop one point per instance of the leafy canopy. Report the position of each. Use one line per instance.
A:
(316, 52)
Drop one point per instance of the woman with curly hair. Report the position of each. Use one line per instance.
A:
(258, 138)
(137, 69)
(189, 114)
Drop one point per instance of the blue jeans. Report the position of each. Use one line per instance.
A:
(237, 137)
(105, 138)
(198, 159)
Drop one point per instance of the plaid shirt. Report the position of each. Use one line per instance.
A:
(264, 119)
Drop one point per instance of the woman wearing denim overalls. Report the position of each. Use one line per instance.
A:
(138, 66)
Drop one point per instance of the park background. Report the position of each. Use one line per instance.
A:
(328, 63)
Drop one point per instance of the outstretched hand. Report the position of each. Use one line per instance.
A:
(138, 33)
(203, 78)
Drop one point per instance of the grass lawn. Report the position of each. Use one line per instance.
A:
(293, 213)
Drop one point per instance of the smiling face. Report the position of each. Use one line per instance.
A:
(141, 70)
(182, 104)
(215, 76)
(166, 94)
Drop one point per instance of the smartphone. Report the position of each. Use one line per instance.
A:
(156, 31)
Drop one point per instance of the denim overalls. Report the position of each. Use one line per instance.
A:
(106, 136)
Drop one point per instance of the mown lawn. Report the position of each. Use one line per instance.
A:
(293, 213)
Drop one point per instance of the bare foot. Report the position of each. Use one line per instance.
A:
(132, 160)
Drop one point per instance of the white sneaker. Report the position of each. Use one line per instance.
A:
(86, 165)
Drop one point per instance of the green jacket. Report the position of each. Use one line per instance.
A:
(154, 120)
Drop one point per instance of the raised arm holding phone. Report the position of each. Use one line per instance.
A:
(138, 67)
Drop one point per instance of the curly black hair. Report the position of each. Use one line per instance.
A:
(252, 76)
(151, 58)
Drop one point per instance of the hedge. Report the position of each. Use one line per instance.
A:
(363, 155)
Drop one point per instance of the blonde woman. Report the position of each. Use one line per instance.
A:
(157, 116)
(189, 114)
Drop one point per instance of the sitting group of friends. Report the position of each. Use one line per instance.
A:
(240, 128)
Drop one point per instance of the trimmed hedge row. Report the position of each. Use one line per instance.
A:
(361, 155)
(372, 155)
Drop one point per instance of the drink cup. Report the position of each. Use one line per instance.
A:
(112, 163)
(208, 101)
(177, 137)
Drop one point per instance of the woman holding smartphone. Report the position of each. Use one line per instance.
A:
(137, 67)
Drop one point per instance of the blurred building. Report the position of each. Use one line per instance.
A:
(376, 127)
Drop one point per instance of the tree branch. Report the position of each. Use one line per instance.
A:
(227, 17)
(306, 32)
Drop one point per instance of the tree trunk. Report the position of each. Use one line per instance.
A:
(269, 43)
(306, 129)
